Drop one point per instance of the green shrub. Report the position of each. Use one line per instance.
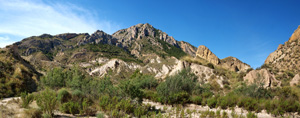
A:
(104, 101)
(210, 65)
(63, 95)
(183, 82)
(46, 100)
(251, 115)
(33, 113)
(100, 115)
(145, 81)
(132, 90)
(77, 95)
(26, 99)
(196, 99)
(212, 102)
(54, 78)
(70, 107)
(139, 111)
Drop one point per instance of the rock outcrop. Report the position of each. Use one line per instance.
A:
(262, 76)
(205, 53)
(230, 63)
(287, 56)
(116, 66)
(234, 64)
(188, 48)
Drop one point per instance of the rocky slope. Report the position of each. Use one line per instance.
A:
(287, 56)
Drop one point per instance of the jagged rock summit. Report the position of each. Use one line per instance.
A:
(135, 38)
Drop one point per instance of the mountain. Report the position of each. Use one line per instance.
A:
(140, 47)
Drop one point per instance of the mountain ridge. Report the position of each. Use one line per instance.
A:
(140, 43)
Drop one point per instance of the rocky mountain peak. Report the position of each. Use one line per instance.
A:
(295, 35)
(141, 31)
(205, 53)
(98, 37)
(66, 36)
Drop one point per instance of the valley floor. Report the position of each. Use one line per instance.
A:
(10, 108)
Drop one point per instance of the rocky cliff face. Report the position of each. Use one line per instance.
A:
(205, 53)
(188, 48)
(287, 56)
(230, 63)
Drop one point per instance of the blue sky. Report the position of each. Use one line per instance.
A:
(247, 29)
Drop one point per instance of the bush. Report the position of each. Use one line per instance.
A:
(100, 115)
(104, 101)
(46, 100)
(251, 115)
(210, 65)
(63, 95)
(196, 99)
(77, 95)
(132, 90)
(212, 102)
(33, 113)
(58, 77)
(183, 82)
(70, 107)
(145, 82)
(54, 78)
(26, 99)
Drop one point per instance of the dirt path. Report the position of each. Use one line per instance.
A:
(193, 107)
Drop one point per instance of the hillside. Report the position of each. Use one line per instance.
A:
(112, 75)
(16, 74)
